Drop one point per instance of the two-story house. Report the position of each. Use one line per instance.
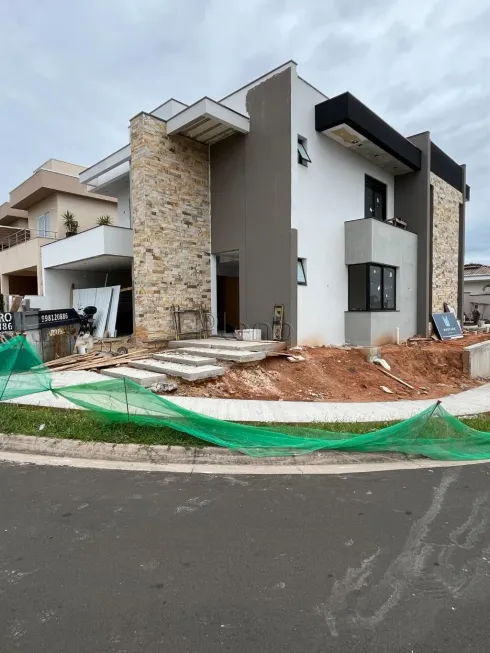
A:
(37, 260)
(279, 195)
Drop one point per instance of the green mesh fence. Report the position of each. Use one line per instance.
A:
(433, 432)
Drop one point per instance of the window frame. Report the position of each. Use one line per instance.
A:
(42, 224)
(301, 262)
(303, 159)
(375, 185)
(367, 280)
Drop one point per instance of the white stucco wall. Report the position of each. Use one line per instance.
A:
(324, 195)
(168, 109)
(475, 290)
(123, 206)
(99, 241)
(58, 284)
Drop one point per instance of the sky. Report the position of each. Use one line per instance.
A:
(72, 74)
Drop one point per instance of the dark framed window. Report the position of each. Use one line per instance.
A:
(372, 287)
(374, 198)
(303, 156)
(301, 272)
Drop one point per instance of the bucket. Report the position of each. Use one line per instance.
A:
(82, 349)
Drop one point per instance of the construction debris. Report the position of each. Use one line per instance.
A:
(163, 386)
(93, 361)
(382, 362)
(385, 389)
(396, 378)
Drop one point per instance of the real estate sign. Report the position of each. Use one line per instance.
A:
(447, 326)
(6, 322)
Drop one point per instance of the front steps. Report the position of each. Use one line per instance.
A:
(193, 360)
(228, 343)
(183, 371)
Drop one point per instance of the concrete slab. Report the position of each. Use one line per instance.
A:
(140, 376)
(184, 358)
(229, 343)
(476, 360)
(186, 372)
(227, 354)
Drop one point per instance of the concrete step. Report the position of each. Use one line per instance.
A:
(143, 377)
(181, 356)
(226, 354)
(228, 343)
(186, 372)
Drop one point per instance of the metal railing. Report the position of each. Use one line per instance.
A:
(23, 236)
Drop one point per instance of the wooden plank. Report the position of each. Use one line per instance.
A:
(109, 361)
(65, 360)
(396, 378)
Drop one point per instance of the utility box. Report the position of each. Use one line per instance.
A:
(52, 333)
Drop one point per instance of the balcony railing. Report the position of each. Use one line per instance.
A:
(24, 235)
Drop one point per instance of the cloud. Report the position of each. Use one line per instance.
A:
(72, 74)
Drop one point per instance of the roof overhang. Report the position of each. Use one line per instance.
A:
(208, 122)
(477, 277)
(442, 165)
(350, 123)
(9, 215)
(44, 183)
(105, 165)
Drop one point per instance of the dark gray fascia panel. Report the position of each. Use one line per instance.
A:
(346, 109)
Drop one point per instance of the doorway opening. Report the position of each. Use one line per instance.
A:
(374, 199)
(227, 291)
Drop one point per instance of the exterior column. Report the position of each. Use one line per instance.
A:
(445, 244)
(170, 202)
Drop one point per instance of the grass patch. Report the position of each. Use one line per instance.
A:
(87, 426)
(84, 425)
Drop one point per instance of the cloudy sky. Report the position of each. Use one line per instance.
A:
(73, 73)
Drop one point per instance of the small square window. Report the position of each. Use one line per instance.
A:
(301, 273)
(303, 156)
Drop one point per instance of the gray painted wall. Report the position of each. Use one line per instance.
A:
(373, 241)
(412, 204)
(462, 247)
(251, 204)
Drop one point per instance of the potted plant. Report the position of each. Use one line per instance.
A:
(104, 220)
(70, 224)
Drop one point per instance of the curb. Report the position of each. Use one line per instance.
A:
(175, 455)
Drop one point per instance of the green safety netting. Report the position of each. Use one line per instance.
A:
(433, 432)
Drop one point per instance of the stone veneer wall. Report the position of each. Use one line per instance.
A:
(170, 202)
(445, 244)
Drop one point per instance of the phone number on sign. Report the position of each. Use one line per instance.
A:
(55, 317)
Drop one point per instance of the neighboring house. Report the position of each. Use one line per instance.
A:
(31, 225)
(477, 289)
(277, 194)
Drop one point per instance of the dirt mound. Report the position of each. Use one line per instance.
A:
(434, 369)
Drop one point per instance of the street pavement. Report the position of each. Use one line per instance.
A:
(102, 561)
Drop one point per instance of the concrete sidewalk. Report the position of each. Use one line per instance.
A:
(470, 402)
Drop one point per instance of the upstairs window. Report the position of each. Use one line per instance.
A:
(43, 225)
(303, 156)
(372, 287)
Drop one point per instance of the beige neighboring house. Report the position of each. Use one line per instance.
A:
(32, 219)
(477, 289)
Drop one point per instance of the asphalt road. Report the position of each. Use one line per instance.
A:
(122, 562)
